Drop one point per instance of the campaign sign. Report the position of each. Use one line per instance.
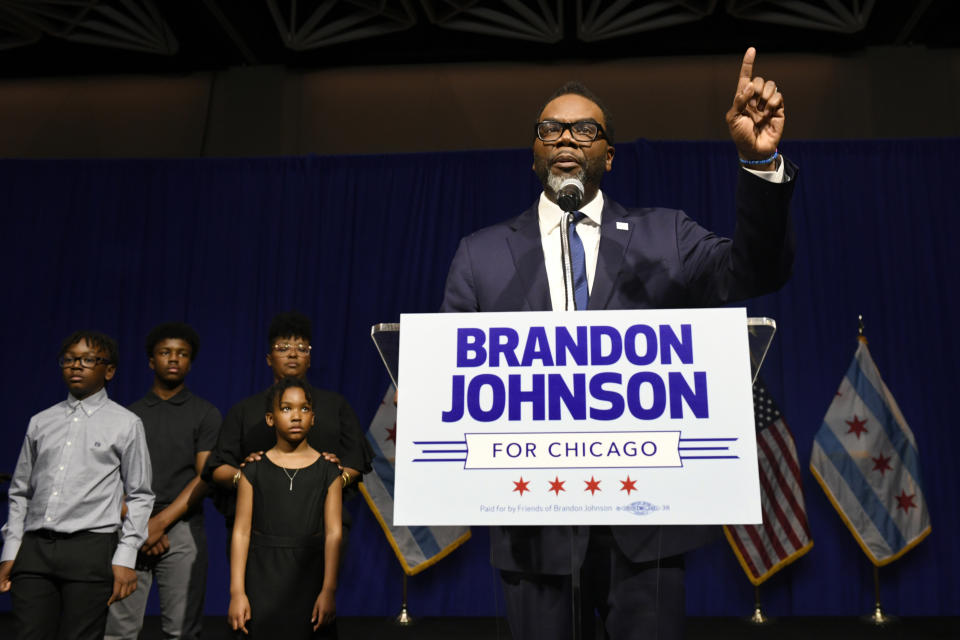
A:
(588, 417)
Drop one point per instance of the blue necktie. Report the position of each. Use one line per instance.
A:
(578, 259)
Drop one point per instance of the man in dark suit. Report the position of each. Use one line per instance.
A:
(632, 577)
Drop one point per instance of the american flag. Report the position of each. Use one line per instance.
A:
(784, 535)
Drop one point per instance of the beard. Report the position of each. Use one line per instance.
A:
(554, 181)
(590, 176)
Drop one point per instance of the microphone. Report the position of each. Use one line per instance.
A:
(570, 194)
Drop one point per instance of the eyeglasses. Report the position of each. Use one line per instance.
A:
(87, 362)
(581, 130)
(284, 347)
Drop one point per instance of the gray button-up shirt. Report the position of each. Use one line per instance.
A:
(78, 460)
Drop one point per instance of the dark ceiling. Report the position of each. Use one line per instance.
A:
(89, 37)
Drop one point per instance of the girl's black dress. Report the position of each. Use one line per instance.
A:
(285, 562)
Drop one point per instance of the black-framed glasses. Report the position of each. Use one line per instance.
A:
(581, 130)
(285, 347)
(87, 362)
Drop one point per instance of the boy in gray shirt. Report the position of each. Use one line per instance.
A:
(69, 551)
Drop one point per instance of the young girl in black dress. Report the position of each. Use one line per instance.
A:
(286, 537)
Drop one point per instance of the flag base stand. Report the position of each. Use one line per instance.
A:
(403, 619)
(879, 618)
(758, 618)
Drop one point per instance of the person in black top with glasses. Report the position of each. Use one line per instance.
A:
(244, 436)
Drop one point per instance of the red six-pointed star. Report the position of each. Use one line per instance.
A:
(521, 486)
(628, 485)
(392, 432)
(881, 464)
(857, 426)
(905, 501)
(556, 485)
(592, 485)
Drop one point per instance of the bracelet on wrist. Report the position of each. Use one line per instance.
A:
(776, 153)
(236, 478)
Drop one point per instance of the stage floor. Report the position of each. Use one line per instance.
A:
(215, 628)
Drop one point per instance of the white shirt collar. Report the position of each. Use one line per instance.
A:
(550, 214)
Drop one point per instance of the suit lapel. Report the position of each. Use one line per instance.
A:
(527, 249)
(613, 249)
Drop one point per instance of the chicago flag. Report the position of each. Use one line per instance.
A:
(416, 547)
(865, 458)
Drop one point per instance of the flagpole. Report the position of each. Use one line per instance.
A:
(404, 619)
(757, 618)
(878, 617)
(861, 336)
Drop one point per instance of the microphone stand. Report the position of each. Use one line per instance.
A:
(569, 302)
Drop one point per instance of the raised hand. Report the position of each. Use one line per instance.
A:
(756, 117)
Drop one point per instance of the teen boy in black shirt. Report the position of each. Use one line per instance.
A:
(181, 429)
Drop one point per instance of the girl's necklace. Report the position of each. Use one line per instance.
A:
(291, 477)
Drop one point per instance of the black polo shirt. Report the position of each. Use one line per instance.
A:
(176, 429)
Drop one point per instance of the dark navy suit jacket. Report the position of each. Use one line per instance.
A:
(663, 259)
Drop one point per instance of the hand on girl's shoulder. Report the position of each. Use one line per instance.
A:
(249, 470)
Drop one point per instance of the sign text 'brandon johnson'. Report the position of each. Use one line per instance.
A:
(645, 393)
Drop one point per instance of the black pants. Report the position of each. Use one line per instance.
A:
(61, 585)
(620, 599)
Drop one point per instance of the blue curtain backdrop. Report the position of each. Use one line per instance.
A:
(224, 244)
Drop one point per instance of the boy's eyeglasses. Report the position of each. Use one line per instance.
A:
(87, 362)
(284, 347)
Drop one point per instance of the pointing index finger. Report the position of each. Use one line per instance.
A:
(746, 69)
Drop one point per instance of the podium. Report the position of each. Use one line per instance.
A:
(539, 437)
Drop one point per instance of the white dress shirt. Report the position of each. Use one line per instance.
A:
(551, 226)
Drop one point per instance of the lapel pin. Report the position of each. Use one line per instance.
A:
(623, 226)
